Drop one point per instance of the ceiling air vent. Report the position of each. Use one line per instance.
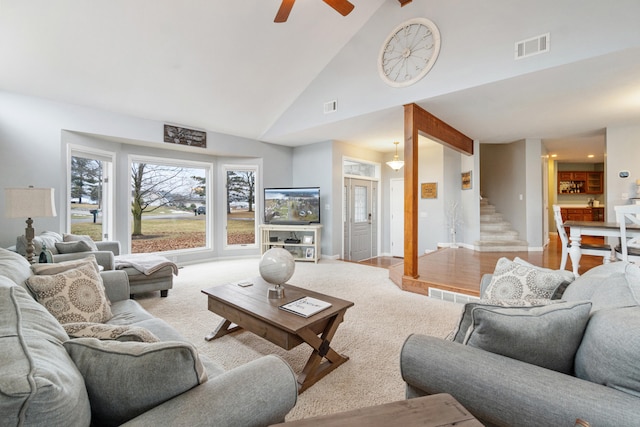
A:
(532, 46)
(330, 107)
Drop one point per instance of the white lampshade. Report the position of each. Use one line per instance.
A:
(29, 202)
(396, 164)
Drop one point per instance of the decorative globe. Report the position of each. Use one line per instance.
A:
(277, 266)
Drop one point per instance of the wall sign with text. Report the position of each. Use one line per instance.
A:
(429, 190)
(184, 136)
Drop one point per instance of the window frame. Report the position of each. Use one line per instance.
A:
(255, 168)
(209, 205)
(108, 158)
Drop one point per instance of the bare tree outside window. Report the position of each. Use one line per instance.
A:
(168, 207)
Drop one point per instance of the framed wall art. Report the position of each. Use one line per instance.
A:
(429, 190)
(466, 180)
(184, 136)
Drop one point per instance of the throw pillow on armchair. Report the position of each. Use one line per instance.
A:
(68, 238)
(48, 238)
(73, 247)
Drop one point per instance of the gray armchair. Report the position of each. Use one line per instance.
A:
(69, 247)
(105, 255)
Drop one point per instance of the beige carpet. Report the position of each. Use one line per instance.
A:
(371, 335)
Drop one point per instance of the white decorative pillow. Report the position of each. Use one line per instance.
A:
(61, 267)
(568, 277)
(76, 295)
(46, 238)
(80, 238)
(518, 302)
(104, 331)
(512, 281)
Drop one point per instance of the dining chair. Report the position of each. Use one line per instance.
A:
(629, 247)
(605, 251)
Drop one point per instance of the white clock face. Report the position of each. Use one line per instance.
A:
(409, 52)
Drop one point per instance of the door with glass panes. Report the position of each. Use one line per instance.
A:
(360, 219)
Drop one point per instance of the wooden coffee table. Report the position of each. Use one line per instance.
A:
(437, 410)
(250, 308)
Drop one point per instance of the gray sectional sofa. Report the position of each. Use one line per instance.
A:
(47, 378)
(601, 379)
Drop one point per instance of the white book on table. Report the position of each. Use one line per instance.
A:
(305, 306)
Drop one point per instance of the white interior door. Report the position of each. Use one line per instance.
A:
(397, 217)
(360, 236)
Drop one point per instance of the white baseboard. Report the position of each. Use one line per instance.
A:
(459, 245)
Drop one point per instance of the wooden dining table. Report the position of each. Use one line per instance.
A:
(577, 229)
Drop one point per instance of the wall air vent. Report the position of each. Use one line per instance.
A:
(532, 46)
(331, 107)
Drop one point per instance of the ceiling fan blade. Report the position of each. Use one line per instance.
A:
(404, 2)
(283, 12)
(343, 7)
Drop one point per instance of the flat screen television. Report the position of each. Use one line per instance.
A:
(296, 205)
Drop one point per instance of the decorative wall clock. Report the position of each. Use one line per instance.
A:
(409, 52)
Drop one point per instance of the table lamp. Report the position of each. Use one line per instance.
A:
(31, 203)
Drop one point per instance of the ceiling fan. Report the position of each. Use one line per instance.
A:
(343, 7)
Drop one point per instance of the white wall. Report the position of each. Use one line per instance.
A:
(33, 137)
(432, 221)
(470, 199)
(477, 49)
(623, 154)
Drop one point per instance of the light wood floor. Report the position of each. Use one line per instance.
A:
(460, 270)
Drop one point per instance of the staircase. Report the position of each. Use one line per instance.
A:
(496, 234)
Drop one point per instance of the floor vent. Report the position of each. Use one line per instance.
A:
(532, 46)
(451, 296)
(330, 107)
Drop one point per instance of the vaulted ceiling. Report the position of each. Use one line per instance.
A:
(225, 66)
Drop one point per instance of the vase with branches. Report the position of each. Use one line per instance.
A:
(454, 220)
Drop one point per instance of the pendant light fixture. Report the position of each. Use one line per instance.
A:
(396, 164)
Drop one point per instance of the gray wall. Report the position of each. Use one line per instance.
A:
(503, 180)
(534, 208)
(512, 179)
(623, 154)
(312, 167)
(34, 134)
(340, 151)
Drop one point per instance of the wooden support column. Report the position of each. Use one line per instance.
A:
(410, 192)
(418, 121)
